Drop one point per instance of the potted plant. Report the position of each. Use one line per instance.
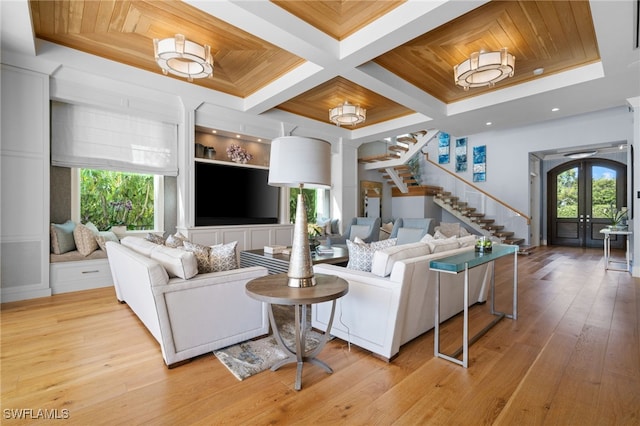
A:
(618, 217)
(314, 232)
(120, 210)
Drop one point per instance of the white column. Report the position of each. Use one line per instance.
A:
(635, 191)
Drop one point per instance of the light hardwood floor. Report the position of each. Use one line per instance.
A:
(571, 358)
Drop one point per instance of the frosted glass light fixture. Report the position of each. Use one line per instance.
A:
(347, 114)
(484, 69)
(184, 58)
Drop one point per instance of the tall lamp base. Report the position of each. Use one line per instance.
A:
(300, 267)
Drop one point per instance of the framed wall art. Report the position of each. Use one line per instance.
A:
(443, 148)
(480, 163)
(461, 155)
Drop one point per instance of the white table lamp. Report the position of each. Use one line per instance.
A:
(297, 161)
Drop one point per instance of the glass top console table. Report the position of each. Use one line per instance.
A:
(607, 249)
(461, 263)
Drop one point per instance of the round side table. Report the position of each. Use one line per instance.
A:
(273, 289)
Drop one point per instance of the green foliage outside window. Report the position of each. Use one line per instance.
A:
(113, 198)
(310, 200)
(603, 195)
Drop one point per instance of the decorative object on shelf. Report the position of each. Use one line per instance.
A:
(443, 148)
(209, 152)
(484, 69)
(618, 217)
(183, 58)
(347, 114)
(479, 163)
(238, 154)
(119, 230)
(461, 155)
(483, 245)
(300, 161)
(199, 150)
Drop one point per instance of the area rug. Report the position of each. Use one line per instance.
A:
(245, 359)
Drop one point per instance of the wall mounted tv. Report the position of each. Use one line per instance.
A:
(232, 195)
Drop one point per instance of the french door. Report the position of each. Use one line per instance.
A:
(581, 195)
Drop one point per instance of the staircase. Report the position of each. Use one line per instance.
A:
(474, 219)
(401, 170)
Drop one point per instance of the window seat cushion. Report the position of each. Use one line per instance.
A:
(75, 255)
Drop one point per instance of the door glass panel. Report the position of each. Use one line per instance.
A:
(603, 191)
(567, 194)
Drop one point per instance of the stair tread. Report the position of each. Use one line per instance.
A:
(398, 148)
(407, 139)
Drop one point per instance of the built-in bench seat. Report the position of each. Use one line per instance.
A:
(72, 271)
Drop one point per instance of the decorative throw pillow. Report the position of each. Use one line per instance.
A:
(176, 240)
(103, 237)
(155, 238)
(222, 257)
(449, 229)
(202, 255)
(85, 239)
(62, 240)
(361, 255)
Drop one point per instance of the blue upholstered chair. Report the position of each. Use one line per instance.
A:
(411, 230)
(367, 228)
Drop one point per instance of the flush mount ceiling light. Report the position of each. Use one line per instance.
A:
(347, 114)
(484, 69)
(183, 58)
(581, 154)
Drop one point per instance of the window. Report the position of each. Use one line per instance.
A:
(108, 198)
(316, 201)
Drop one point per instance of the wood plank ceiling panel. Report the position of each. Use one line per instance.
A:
(555, 36)
(338, 18)
(123, 31)
(317, 102)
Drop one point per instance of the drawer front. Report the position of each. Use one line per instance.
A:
(84, 270)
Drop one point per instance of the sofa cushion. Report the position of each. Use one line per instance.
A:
(360, 231)
(361, 254)
(177, 262)
(467, 241)
(409, 235)
(223, 257)
(384, 259)
(62, 240)
(438, 246)
(139, 245)
(448, 229)
(84, 236)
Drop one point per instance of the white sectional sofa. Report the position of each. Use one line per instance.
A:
(188, 317)
(383, 310)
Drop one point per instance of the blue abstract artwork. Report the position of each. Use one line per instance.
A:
(443, 148)
(480, 163)
(461, 155)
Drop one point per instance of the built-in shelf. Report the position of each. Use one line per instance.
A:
(230, 163)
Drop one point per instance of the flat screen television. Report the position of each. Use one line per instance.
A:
(232, 195)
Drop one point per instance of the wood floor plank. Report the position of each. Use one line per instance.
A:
(571, 357)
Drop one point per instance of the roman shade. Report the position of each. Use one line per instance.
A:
(89, 137)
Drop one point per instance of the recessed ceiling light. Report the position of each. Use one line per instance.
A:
(259, 140)
(538, 71)
(238, 136)
(488, 123)
(214, 131)
(555, 109)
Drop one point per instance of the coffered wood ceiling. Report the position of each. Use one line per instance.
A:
(556, 36)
